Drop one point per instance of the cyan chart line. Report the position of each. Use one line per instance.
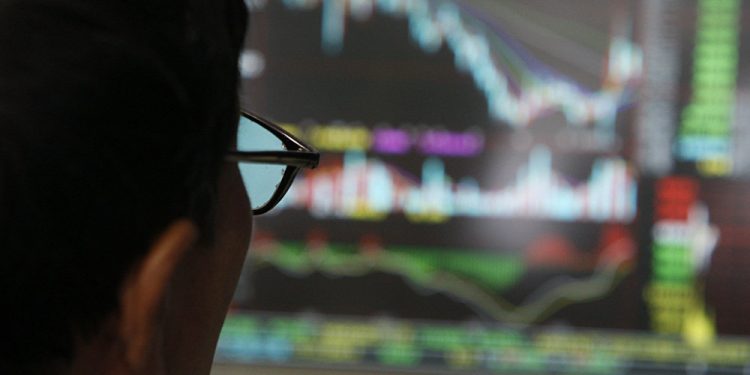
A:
(541, 91)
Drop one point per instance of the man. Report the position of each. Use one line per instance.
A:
(122, 228)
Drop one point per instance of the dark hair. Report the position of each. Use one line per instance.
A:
(113, 123)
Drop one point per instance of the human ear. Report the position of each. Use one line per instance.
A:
(144, 292)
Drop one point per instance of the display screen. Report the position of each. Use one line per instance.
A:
(506, 186)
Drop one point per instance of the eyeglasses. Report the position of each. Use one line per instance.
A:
(269, 158)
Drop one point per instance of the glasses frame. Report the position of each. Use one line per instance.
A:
(298, 155)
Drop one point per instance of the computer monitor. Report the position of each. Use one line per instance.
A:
(506, 186)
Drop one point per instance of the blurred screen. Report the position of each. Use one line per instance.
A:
(506, 186)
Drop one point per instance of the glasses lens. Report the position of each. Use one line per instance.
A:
(261, 180)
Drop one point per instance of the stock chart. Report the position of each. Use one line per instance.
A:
(505, 186)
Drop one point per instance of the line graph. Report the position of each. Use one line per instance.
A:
(519, 89)
(473, 279)
(369, 189)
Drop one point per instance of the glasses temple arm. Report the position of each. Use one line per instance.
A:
(302, 159)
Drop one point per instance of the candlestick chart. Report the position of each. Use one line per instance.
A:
(517, 87)
(505, 186)
(401, 190)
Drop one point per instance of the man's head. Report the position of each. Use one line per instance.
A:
(121, 228)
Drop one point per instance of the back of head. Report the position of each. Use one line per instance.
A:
(113, 119)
